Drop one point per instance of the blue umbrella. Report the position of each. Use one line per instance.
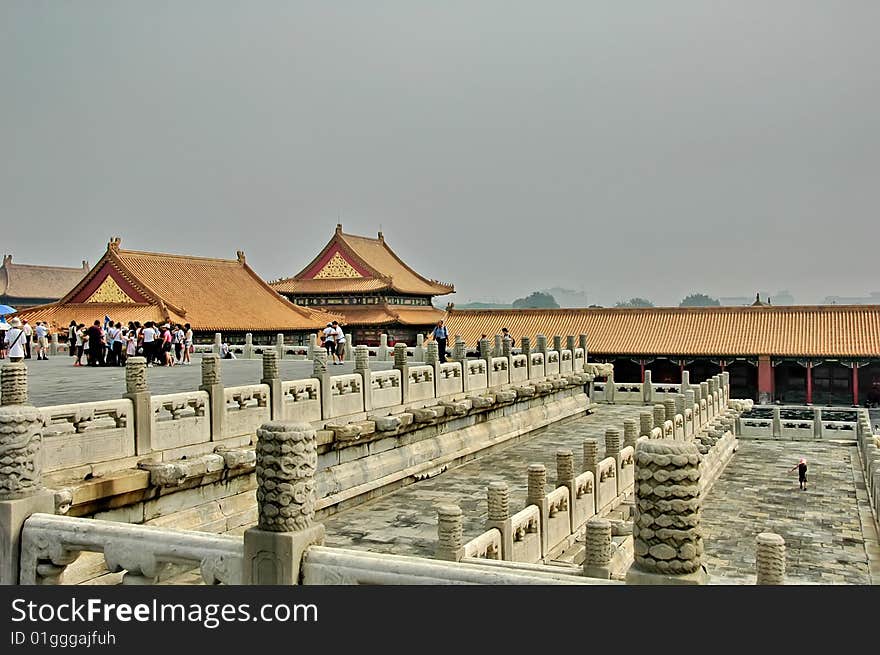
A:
(6, 309)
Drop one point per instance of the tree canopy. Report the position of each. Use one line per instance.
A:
(536, 300)
(635, 302)
(699, 300)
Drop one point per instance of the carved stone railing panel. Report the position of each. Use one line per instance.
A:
(346, 394)
(551, 366)
(627, 470)
(385, 388)
(558, 516)
(566, 365)
(607, 486)
(627, 393)
(301, 399)
(449, 380)
(247, 407)
(485, 546)
(87, 433)
(538, 366)
(579, 360)
(519, 371)
(526, 532)
(180, 419)
(499, 373)
(583, 504)
(477, 376)
(421, 383)
(50, 543)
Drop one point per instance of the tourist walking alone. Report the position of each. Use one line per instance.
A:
(15, 340)
(441, 334)
(801, 467)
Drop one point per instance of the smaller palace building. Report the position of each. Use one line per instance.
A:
(212, 295)
(27, 285)
(821, 354)
(365, 281)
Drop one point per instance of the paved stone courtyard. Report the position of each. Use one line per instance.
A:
(58, 382)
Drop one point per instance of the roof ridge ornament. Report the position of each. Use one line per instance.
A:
(113, 244)
(239, 254)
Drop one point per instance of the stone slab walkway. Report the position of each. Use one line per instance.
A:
(821, 526)
(405, 521)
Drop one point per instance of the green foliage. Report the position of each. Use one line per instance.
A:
(699, 300)
(635, 302)
(536, 300)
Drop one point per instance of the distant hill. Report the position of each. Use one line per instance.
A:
(483, 305)
(568, 297)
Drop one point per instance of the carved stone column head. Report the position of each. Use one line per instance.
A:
(669, 409)
(667, 535)
(659, 416)
(319, 363)
(646, 423)
(21, 435)
(498, 497)
(13, 384)
(612, 442)
(597, 549)
(248, 339)
(525, 345)
(400, 358)
(689, 399)
(537, 483)
(564, 466)
(460, 350)
(485, 349)
(591, 454)
(287, 459)
(361, 358)
(449, 528)
(541, 343)
(505, 347)
(630, 432)
(432, 353)
(270, 365)
(679, 403)
(582, 342)
(136, 374)
(570, 344)
(770, 559)
(557, 343)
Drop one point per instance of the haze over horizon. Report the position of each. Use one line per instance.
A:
(639, 149)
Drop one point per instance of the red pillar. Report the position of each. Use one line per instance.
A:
(765, 379)
(722, 366)
(682, 374)
(855, 384)
(642, 364)
(809, 383)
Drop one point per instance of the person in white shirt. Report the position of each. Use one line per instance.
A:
(149, 334)
(15, 341)
(28, 338)
(187, 343)
(340, 342)
(330, 342)
(42, 339)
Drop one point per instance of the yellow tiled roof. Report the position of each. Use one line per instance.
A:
(387, 271)
(798, 331)
(40, 282)
(386, 314)
(210, 294)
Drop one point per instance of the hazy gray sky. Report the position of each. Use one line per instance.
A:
(623, 148)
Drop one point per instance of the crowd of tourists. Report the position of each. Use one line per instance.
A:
(111, 344)
(19, 340)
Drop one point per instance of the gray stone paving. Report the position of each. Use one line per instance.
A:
(58, 382)
(821, 526)
(405, 521)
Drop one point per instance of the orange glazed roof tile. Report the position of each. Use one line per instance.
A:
(210, 294)
(372, 266)
(38, 282)
(386, 314)
(783, 331)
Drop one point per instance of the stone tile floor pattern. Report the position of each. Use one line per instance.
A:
(58, 382)
(821, 527)
(405, 521)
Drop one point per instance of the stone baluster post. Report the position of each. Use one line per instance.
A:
(646, 423)
(137, 391)
(648, 389)
(597, 548)
(705, 395)
(695, 413)
(565, 478)
(450, 542)
(610, 389)
(348, 348)
(591, 460)
(777, 422)
(537, 495)
(248, 351)
(320, 372)
(402, 364)
(362, 368)
(459, 354)
(506, 348)
(582, 343)
(541, 346)
(726, 377)
(313, 346)
(570, 344)
(486, 352)
(685, 380)
(817, 423)
(273, 380)
(53, 344)
(382, 352)
(612, 449)
(525, 348)
(496, 348)
(630, 432)
(287, 459)
(432, 359)
(669, 409)
(21, 488)
(279, 345)
(667, 493)
(498, 499)
(557, 345)
(699, 419)
(218, 342)
(770, 559)
(659, 416)
(419, 352)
